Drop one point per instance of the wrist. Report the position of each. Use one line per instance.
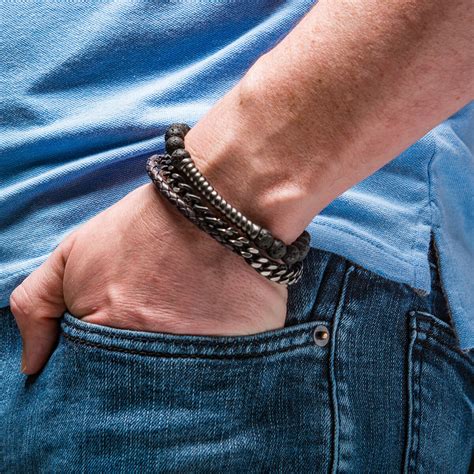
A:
(206, 266)
(248, 168)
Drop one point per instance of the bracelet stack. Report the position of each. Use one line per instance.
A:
(178, 179)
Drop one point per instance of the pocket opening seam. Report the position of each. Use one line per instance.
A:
(434, 324)
(430, 336)
(433, 321)
(171, 355)
(162, 337)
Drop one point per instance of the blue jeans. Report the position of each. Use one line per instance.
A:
(366, 376)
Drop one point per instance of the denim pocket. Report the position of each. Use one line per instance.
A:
(183, 403)
(323, 270)
(179, 403)
(155, 344)
(440, 396)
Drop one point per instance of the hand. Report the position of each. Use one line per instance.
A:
(141, 265)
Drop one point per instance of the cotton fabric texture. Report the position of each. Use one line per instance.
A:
(88, 89)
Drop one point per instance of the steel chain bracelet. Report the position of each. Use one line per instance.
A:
(181, 195)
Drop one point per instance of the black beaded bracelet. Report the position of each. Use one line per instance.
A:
(262, 237)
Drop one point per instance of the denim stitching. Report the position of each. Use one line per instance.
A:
(415, 421)
(416, 353)
(170, 355)
(210, 344)
(410, 390)
(431, 336)
(417, 417)
(332, 375)
(159, 338)
(427, 317)
(433, 324)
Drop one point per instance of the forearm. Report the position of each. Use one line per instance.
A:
(347, 90)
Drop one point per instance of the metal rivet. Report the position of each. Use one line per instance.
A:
(321, 336)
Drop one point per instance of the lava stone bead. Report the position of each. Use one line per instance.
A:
(174, 131)
(264, 239)
(292, 255)
(173, 143)
(177, 129)
(277, 250)
(304, 237)
(303, 249)
(184, 127)
(180, 154)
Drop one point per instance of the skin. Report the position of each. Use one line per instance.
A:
(348, 89)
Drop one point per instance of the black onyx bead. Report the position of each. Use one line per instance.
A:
(173, 143)
(264, 239)
(277, 250)
(292, 255)
(174, 131)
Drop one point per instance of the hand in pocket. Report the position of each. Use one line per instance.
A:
(140, 265)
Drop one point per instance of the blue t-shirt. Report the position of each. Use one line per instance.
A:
(89, 87)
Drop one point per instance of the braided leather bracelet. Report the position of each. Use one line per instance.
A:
(179, 180)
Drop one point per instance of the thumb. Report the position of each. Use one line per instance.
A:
(37, 304)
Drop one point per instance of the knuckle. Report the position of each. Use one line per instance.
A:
(20, 302)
